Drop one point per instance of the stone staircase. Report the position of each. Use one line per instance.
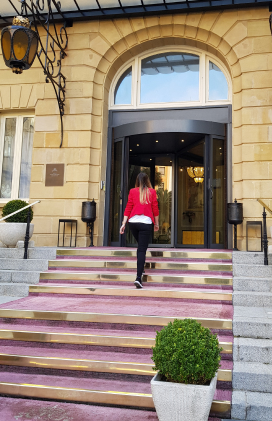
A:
(16, 274)
(252, 328)
(84, 334)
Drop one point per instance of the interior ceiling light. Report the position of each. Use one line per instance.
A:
(157, 141)
(138, 144)
(197, 173)
(182, 140)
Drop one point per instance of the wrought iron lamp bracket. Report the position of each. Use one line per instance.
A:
(55, 43)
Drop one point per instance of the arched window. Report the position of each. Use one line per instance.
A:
(218, 85)
(122, 92)
(170, 78)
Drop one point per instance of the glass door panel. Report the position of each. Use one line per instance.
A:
(163, 186)
(191, 196)
(159, 170)
(217, 194)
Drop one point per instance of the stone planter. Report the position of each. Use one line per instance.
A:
(12, 232)
(180, 402)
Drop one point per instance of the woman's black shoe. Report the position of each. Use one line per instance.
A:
(138, 283)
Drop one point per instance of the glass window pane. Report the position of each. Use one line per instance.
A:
(26, 157)
(170, 77)
(122, 93)
(218, 85)
(8, 157)
(191, 205)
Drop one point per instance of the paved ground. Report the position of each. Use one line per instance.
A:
(4, 300)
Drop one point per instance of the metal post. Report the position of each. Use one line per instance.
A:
(235, 238)
(265, 241)
(27, 232)
(91, 226)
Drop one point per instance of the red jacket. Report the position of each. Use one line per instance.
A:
(135, 207)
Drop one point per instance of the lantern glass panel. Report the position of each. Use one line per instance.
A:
(33, 50)
(6, 45)
(20, 44)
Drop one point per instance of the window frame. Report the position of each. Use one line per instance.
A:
(17, 152)
(135, 63)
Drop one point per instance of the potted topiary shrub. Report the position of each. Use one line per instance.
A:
(187, 356)
(14, 229)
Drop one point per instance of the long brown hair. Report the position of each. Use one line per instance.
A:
(143, 182)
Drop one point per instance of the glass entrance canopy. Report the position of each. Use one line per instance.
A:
(94, 9)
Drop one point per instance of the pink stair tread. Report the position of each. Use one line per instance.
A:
(151, 307)
(89, 354)
(92, 383)
(14, 409)
(88, 330)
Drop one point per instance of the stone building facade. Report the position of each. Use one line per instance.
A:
(97, 49)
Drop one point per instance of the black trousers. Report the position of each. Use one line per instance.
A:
(142, 234)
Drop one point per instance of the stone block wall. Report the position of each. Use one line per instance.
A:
(96, 50)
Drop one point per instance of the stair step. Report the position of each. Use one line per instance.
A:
(149, 277)
(155, 252)
(252, 322)
(19, 276)
(252, 299)
(252, 284)
(252, 258)
(92, 390)
(253, 271)
(124, 310)
(132, 292)
(23, 265)
(70, 316)
(14, 289)
(251, 405)
(253, 350)
(103, 362)
(252, 377)
(54, 335)
(15, 408)
(160, 264)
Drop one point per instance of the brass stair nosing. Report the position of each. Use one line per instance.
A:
(93, 290)
(121, 264)
(139, 400)
(113, 277)
(141, 369)
(110, 318)
(88, 339)
(154, 253)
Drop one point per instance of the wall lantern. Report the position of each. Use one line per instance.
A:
(197, 173)
(21, 44)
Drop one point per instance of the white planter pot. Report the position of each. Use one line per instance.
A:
(180, 402)
(12, 232)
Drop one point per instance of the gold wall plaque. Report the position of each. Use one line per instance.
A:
(54, 175)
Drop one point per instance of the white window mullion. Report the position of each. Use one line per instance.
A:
(17, 158)
(134, 83)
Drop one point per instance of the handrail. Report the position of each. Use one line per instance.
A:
(264, 239)
(264, 205)
(27, 223)
(20, 210)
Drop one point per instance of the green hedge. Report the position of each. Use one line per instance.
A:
(186, 352)
(13, 206)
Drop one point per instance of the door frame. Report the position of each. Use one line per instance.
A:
(218, 123)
